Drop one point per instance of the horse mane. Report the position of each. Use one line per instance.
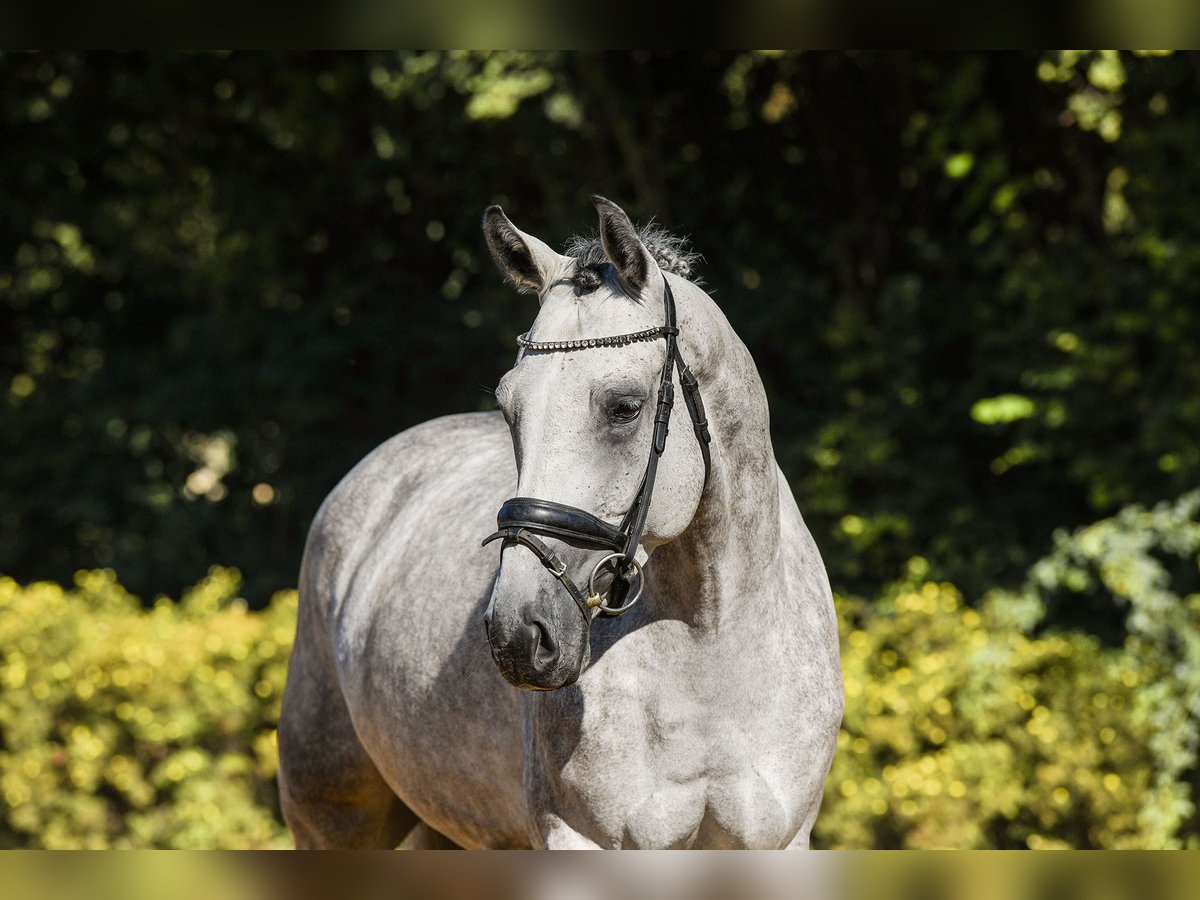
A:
(672, 252)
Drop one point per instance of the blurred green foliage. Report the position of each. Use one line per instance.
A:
(968, 280)
(129, 727)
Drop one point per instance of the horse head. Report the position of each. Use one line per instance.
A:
(589, 404)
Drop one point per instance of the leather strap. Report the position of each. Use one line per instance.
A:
(695, 405)
(556, 566)
(575, 526)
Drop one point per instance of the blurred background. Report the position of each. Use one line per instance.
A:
(968, 281)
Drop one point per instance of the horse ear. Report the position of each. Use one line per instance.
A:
(521, 258)
(622, 245)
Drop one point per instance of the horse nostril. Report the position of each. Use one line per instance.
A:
(543, 649)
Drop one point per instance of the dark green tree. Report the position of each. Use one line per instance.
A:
(967, 280)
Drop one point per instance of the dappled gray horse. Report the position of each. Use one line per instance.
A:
(662, 601)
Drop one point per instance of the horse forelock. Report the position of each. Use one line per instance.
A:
(672, 252)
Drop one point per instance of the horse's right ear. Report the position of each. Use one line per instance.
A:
(522, 259)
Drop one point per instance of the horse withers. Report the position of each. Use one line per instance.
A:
(658, 596)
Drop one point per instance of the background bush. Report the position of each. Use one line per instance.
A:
(129, 727)
(988, 728)
(123, 726)
(962, 730)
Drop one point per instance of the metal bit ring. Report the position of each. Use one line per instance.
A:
(599, 601)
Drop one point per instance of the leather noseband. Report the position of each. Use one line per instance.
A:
(570, 525)
(522, 519)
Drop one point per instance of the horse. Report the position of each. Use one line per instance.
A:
(691, 697)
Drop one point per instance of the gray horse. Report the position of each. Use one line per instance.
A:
(706, 716)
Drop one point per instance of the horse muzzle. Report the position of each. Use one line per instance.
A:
(534, 650)
(522, 520)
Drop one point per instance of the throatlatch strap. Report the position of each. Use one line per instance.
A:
(695, 405)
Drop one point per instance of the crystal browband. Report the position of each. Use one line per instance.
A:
(616, 340)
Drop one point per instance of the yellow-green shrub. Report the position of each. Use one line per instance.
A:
(123, 727)
(961, 730)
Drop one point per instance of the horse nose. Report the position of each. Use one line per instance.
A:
(540, 646)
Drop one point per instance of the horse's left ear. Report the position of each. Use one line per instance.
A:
(623, 247)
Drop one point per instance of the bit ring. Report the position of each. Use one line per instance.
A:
(599, 601)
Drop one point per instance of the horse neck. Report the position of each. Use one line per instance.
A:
(724, 559)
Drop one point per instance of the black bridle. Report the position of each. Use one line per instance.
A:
(522, 519)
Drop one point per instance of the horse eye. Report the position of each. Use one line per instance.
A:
(625, 410)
